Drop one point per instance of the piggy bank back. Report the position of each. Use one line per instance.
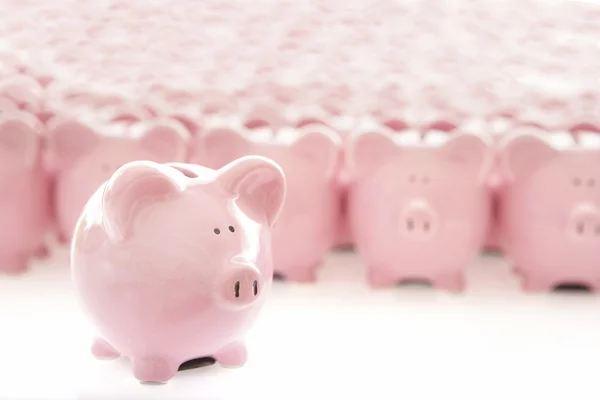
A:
(24, 187)
(82, 159)
(418, 211)
(309, 158)
(172, 261)
(551, 209)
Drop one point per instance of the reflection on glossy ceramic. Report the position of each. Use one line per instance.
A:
(173, 262)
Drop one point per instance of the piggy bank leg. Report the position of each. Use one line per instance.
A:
(536, 283)
(41, 252)
(154, 369)
(379, 279)
(13, 264)
(302, 275)
(102, 349)
(232, 356)
(452, 281)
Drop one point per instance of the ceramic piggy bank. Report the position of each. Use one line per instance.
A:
(25, 209)
(309, 157)
(83, 158)
(418, 210)
(173, 261)
(551, 211)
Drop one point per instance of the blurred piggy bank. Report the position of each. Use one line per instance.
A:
(173, 261)
(25, 209)
(418, 211)
(309, 157)
(551, 211)
(82, 159)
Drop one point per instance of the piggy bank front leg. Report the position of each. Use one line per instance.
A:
(14, 264)
(380, 278)
(233, 355)
(103, 350)
(154, 369)
(536, 282)
(451, 281)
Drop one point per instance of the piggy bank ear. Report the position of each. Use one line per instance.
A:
(133, 187)
(219, 146)
(320, 147)
(20, 141)
(68, 140)
(166, 140)
(471, 151)
(523, 154)
(368, 150)
(258, 184)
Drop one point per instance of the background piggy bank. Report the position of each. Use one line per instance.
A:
(551, 212)
(308, 156)
(173, 261)
(82, 159)
(24, 191)
(418, 212)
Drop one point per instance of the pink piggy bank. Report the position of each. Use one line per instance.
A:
(551, 211)
(309, 157)
(418, 211)
(25, 209)
(173, 261)
(82, 159)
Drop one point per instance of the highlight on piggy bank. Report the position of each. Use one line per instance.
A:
(172, 262)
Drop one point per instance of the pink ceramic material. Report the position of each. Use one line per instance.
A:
(309, 156)
(418, 212)
(551, 212)
(24, 191)
(172, 262)
(82, 158)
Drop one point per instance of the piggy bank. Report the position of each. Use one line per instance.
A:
(551, 211)
(173, 262)
(418, 210)
(81, 158)
(25, 209)
(309, 157)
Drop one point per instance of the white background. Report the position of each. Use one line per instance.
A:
(337, 339)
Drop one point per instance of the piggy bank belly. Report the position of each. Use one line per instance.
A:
(139, 311)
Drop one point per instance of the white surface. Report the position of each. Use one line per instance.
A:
(337, 339)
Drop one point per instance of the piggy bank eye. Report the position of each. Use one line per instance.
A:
(425, 180)
(217, 231)
(591, 183)
(576, 182)
(231, 229)
(412, 178)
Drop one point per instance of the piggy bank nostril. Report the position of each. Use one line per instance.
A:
(236, 289)
(426, 226)
(255, 286)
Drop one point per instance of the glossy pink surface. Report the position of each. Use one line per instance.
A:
(24, 191)
(309, 157)
(173, 262)
(551, 212)
(418, 212)
(82, 158)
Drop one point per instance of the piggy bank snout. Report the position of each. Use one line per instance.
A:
(584, 222)
(241, 286)
(418, 220)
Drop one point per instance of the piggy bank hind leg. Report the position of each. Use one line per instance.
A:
(233, 355)
(379, 278)
(451, 281)
(103, 350)
(154, 369)
(535, 282)
(14, 264)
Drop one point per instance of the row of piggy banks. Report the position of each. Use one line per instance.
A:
(414, 205)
